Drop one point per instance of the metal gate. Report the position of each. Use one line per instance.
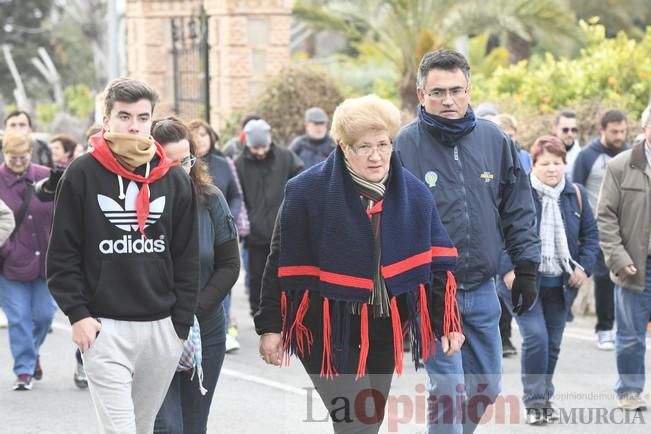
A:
(190, 54)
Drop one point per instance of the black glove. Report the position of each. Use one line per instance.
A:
(524, 285)
(45, 188)
(55, 175)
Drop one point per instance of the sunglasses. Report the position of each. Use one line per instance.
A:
(188, 161)
(567, 130)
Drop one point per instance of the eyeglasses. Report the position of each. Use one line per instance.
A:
(567, 130)
(188, 161)
(22, 159)
(441, 94)
(368, 150)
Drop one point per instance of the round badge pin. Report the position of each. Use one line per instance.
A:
(430, 178)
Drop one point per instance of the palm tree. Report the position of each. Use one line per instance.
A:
(519, 24)
(631, 16)
(404, 30)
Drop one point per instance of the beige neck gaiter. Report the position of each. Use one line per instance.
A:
(131, 150)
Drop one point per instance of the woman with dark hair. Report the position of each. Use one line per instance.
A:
(188, 399)
(207, 141)
(63, 149)
(358, 255)
(570, 242)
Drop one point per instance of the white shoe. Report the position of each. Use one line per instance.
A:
(606, 340)
(4, 323)
(632, 402)
(231, 343)
(534, 416)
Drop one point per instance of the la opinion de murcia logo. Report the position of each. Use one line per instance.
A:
(126, 220)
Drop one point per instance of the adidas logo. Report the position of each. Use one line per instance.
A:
(128, 245)
(126, 220)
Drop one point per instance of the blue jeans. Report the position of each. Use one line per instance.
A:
(184, 409)
(462, 386)
(632, 310)
(30, 310)
(542, 329)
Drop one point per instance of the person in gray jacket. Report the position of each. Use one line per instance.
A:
(473, 171)
(7, 222)
(625, 237)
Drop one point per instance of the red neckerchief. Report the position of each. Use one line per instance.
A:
(105, 157)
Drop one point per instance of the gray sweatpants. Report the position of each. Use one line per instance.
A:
(129, 368)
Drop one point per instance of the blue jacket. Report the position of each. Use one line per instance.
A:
(311, 151)
(580, 229)
(482, 194)
(224, 179)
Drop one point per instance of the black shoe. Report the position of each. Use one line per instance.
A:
(508, 349)
(81, 381)
(550, 413)
(38, 371)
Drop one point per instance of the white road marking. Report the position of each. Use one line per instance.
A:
(269, 383)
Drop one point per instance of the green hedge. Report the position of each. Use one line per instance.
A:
(608, 73)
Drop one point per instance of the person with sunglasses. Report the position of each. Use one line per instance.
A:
(565, 128)
(187, 403)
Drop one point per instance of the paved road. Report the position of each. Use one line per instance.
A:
(253, 398)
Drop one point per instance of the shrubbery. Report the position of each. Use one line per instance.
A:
(288, 94)
(608, 73)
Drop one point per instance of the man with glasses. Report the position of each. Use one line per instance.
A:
(565, 129)
(589, 170)
(484, 198)
(20, 122)
(263, 168)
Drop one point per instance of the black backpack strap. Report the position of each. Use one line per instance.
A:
(20, 215)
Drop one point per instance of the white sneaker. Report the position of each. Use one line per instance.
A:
(632, 402)
(606, 340)
(534, 416)
(4, 323)
(231, 343)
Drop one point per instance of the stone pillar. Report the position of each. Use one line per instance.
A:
(248, 39)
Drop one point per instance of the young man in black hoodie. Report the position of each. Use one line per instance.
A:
(123, 261)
